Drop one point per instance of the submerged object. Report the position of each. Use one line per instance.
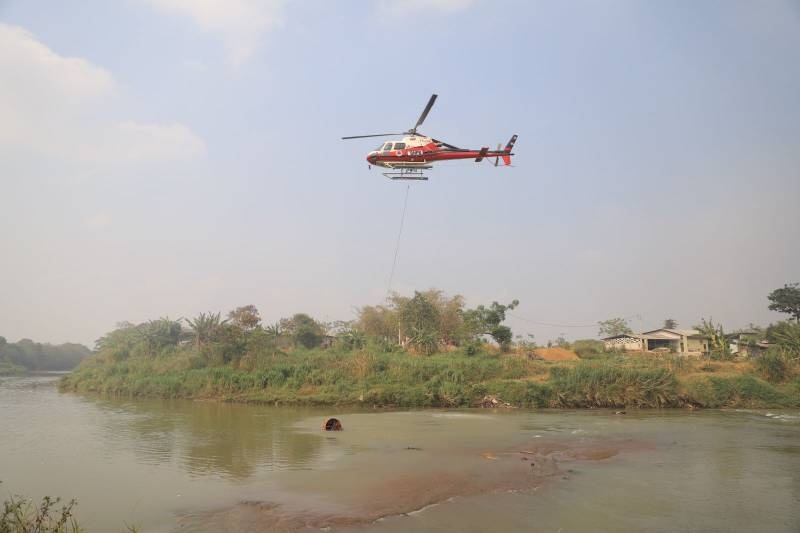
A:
(332, 424)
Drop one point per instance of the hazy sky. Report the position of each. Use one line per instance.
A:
(166, 157)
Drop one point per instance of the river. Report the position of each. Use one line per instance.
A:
(210, 466)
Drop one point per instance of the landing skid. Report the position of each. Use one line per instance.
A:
(407, 174)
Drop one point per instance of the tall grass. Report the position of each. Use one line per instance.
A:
(398, 379)
(745, 391)
(22, 515)
(609, 384)
(774, 365)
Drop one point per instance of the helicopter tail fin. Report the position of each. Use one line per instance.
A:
(507, 150)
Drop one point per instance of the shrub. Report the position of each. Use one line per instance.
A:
(773, 365)
(609, 384)
(23, 516)
(588, 348)
(736, 391)
(471, 348)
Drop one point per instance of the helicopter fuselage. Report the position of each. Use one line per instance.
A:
(416, 151)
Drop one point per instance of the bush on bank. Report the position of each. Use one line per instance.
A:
(362, 377)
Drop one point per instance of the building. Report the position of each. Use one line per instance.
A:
(682, 341)
(630, 343)
(747, 343)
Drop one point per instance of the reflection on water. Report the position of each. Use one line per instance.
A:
(211, 438)
(160, 464)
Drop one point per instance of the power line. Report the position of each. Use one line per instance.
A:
(550, 324)
(397, 244)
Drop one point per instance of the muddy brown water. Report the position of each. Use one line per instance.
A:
(209, 466)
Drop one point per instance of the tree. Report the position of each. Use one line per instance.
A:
(487, 321)
(118, 343)
(245, 317)
(670, 323)
(206, 327)
(449, 311)
(419, 322)
(717, 343)
(526, 343)
(383, 321)
(786, 335)
(348, 336)
(613, 327)
(786, 300)
(160, 334)
(304, 330)
(378, 321)
(274, 330)
(37, 356)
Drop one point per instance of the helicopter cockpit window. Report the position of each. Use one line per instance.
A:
(399, 146)
(387, 147)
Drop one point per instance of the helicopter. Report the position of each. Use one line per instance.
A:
(409, 157)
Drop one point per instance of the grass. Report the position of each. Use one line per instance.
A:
(22, 515)
(745, 391)
(774, 366)
(364, 377)
(613, 384)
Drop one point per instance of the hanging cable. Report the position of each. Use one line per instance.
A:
(564, 325)
(397, 244)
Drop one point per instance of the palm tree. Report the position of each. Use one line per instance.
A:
(161, 333)
(717, 343)
(205, 327)
(274, 330)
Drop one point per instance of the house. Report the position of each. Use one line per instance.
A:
(682, 341)
(629, 343)
(327, 341)
(747, 343)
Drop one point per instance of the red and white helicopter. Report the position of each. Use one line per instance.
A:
(408, 157)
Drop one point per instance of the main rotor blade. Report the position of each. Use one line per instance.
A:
(448, 145)
(373, 135)
(425, 112)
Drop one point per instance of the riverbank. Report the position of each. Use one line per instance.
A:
(335, 377)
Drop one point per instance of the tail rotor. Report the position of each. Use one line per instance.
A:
(507, 150)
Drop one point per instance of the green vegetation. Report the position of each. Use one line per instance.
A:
(746, 391)
(718, 345)
(424, 350)
(785, 335)
(430, 320)
(786, 300)
(454, 379)
(22, 515)
(26, 355)
(613, 327)
(612, 383)
(588, 348)
(773, 365)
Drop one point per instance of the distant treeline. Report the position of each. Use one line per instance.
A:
(27, 355)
